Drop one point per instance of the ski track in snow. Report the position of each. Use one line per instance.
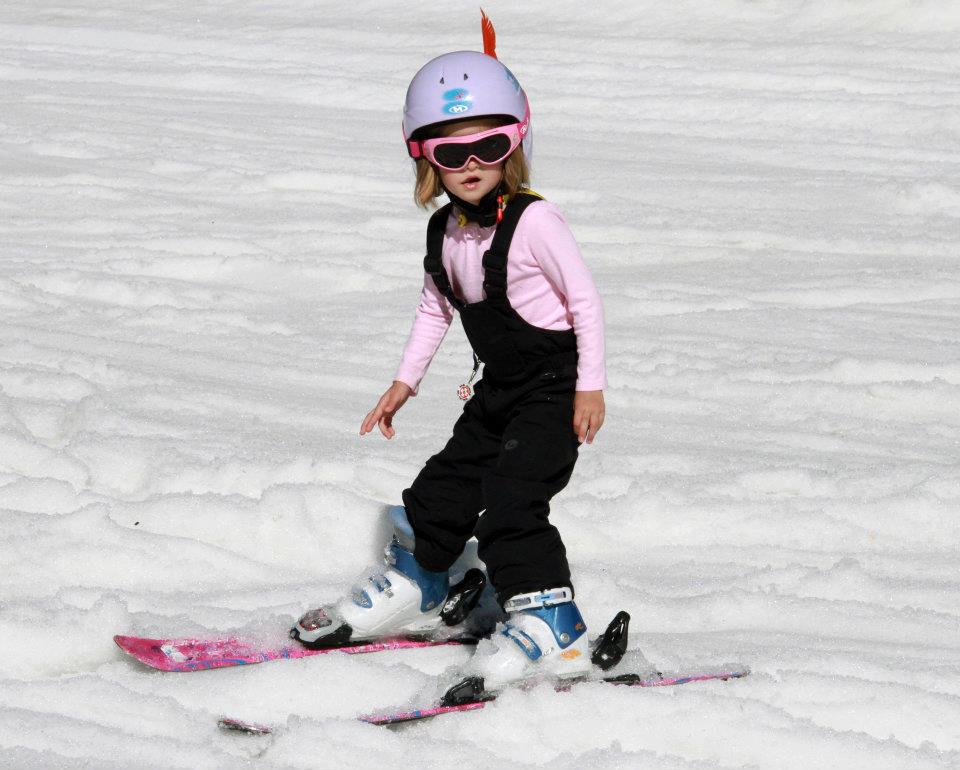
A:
(209, 260)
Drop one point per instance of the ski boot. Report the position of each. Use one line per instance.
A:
(399, 599)
(607, 652)
(544, 637)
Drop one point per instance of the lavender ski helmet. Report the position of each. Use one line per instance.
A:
(464, 84)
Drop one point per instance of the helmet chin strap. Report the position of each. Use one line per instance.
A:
(484, 212)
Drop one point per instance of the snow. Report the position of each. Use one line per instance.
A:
(209, 259)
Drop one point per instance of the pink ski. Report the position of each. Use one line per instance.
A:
(398, 717)
(625, 680)
(240, 726)
(469, 694)
(202, 654)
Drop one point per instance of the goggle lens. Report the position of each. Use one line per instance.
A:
(489, 149)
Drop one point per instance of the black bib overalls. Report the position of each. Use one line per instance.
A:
(513, 448)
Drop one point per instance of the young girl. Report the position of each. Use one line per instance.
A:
(505, 260)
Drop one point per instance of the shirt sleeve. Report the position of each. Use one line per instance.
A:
(430, 325)
(553, 246)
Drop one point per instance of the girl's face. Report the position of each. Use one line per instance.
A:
(476, 179)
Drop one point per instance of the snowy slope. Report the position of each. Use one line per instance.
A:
(209, 260)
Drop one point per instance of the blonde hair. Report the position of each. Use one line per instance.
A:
(516, 175)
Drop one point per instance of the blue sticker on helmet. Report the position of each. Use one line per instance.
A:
(458, 101)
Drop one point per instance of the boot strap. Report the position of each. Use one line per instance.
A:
(532, 601)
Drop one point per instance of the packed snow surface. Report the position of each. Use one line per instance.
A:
(209, 261)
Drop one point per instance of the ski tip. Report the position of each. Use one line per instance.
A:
(127, 642)
(732, 672)
(375, 719)
(130, 643)
(145, 651)
(240, 726)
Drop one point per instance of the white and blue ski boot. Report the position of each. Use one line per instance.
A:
(400, 598)
(544, 637)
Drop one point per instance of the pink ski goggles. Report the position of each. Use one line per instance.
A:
(453, 153)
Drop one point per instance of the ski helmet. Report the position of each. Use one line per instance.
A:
(464, 84)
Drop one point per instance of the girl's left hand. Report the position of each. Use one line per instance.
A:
(588, 412)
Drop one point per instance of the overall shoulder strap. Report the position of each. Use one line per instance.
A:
(433, 261)
(495, 258)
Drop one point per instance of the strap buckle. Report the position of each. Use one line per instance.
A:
(536, 599)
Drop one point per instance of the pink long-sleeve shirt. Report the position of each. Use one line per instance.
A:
(548, 284)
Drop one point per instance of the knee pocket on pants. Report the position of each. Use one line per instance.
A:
(537, 458)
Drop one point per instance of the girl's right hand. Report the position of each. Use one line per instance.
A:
(382, 414)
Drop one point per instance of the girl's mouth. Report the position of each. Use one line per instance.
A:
(471, 182)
